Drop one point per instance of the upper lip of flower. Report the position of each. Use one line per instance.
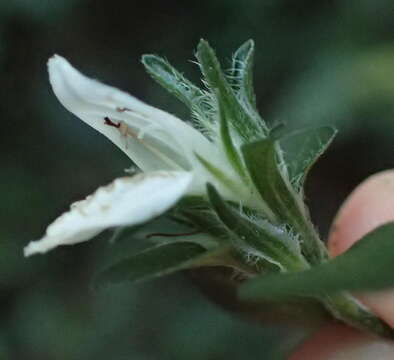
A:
(152, 138)
(171, 141)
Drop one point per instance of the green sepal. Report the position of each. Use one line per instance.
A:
(244, 126)
(152, 263)
(261, 159)
(241, 75)
(261, 239)
(302, 148)
(368, 265)
(227, 141)
(241, 80)
(199, 214)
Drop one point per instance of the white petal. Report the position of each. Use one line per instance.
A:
(152, 138)
(126, 201)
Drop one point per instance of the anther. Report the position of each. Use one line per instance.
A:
(109, 122)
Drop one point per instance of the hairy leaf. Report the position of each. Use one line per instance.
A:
(263, 239)
(301, 150)
(171, 79)
(175, 82)
(241, 75)
(272, 183)
(241, 121)
(241, 80)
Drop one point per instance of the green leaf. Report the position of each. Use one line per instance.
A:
(172, 80)
(232, 111)
(261, 238)
(151, 263)
(301, 150)
(368, 265)
(241, 79)
(261, 161)
(225, 135)
(242, 71)
(217, 82)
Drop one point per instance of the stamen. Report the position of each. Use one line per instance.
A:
(122, 109)
(109, 122)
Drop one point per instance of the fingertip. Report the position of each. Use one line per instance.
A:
(340, 342)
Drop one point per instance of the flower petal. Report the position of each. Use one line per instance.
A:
(158, 140)
(126, 201)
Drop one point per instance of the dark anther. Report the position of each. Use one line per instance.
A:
(109, 122)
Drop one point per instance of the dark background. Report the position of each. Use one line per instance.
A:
(317, 62)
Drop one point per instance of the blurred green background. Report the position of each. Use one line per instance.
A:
(317, 62)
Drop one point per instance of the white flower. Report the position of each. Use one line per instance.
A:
(166, 149)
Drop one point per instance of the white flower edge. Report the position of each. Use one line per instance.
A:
(152, 138)
(126, 201)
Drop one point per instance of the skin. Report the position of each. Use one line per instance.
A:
(370, 205)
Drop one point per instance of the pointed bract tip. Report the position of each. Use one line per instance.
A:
(203, 43)
(147, 57)
(245, 49)
(151, 61)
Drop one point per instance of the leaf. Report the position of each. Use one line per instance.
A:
(368, 265)
(263, 239)
(217, 82)
(151, 263)
(242, 71)
(232, 111)
(261, 161)
(301, 150)
(241, 79)
(172, 80)
(225, 134)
